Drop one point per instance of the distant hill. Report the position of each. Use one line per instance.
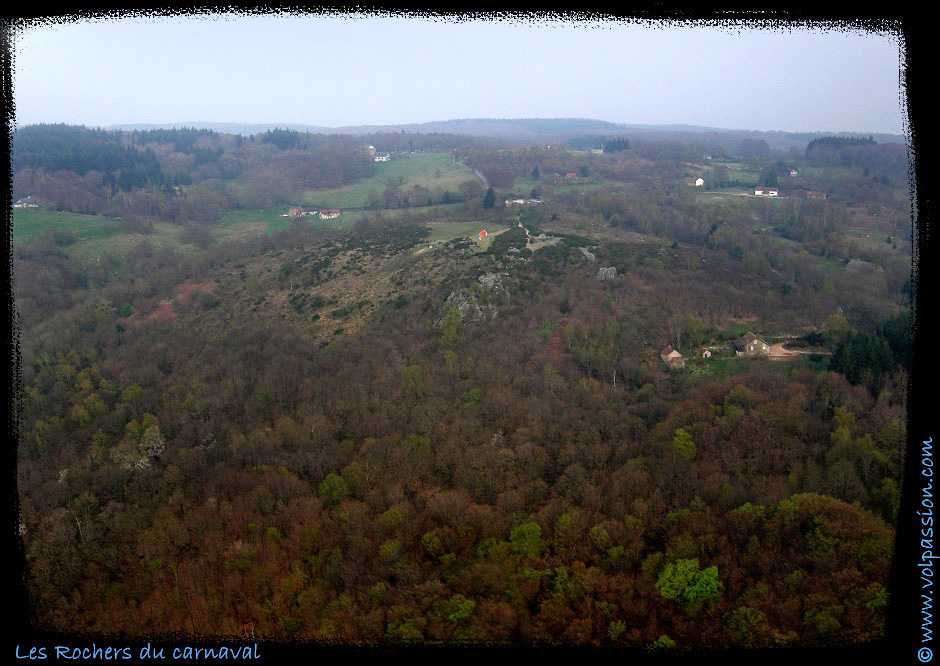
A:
(226, 128)
(525, 130)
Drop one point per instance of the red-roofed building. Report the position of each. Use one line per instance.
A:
(671, 357)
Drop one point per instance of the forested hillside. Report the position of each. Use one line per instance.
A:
(396, 430)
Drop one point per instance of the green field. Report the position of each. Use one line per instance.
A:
(726, 195)
(93, 236)
(445, 231)
(430, 170)
(832, 265)
(524, 186)
(29, 225)
(584, 187)
(353, 216)
(830, 171)
(267, 221)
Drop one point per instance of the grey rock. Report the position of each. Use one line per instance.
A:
(588, 255)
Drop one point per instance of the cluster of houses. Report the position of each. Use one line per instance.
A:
(378, 157)
(519, 202)
(26, 202)
(323, 213)
(747, 345)
(766, 191)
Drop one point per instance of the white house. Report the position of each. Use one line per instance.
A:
(793, 173)
(26, 202)
(765, 191)
(697, 182)
(329, 214)
(381, 157)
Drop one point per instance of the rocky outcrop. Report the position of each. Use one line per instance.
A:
(493, 280)
(478, 303)
(587, 254)
(544, 240)
(141, 456)
(609, 273)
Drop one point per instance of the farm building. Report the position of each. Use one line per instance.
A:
(695, 182)
(765, 191)
(381, 157)
(750, 345)
(671, 357)
(26, 202)
(329, 214)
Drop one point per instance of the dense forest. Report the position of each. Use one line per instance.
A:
(396, 431)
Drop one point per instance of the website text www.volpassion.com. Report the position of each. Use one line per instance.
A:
(925, 511)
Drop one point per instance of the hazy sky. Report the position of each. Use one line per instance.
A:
(335, 71)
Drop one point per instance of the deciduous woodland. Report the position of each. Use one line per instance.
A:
(387, 428)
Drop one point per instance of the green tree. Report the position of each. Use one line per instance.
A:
(415, 375)
(662, 643)
(472, 397)
(683, 445)
(489, 199)
(333, 489)
(526, 540)
(450, 327)
(694, 330)
(682, 581)
(747, 625)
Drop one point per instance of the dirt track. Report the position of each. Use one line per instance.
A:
(779, 353)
